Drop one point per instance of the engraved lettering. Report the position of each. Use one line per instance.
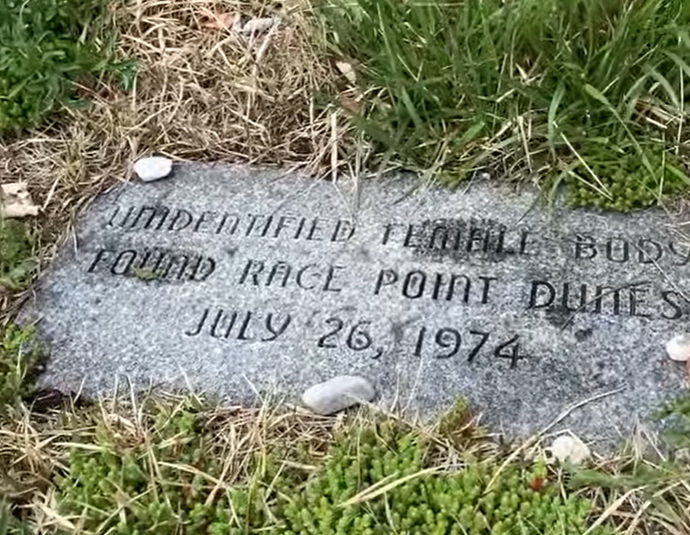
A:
(329, 279)
(119, 267)
(154, 211)
(684, 256)
(500, 245)
(477, 235)
(252, 223)
(180, 261)
(672, 300)
(243, 334)
(638, 300)
(111, 221)
(276, 330)
(451, 287)
(252, 269)
(580, 298)
(315, 229)
(205, 217)
(416, 278)
(544, 290)
(200, 325)
(649, 251)
(203, 270)
(617, 250)
(181, 220)
(233, 228)
(298, 232)
(283, 223)
(441, 235)
(387, 229)
(412, 236)
(607, 293)
(269, 220)
(344, 230)
(524, 243)
(100, 255)
(486, 288)
(585, 247)
(302, 272)
(221, 318)
(279, 269)
(386, 278)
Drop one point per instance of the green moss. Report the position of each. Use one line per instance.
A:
(16, 254)
(631, 181)
(146, 274)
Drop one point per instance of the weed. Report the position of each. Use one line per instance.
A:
(16, 254)
(44, 46)
(564, 89)
(20, 359)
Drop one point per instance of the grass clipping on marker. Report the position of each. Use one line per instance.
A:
(587, 92)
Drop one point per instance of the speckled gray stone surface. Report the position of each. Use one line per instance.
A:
(242, 282)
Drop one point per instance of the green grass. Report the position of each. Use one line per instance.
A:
(9, 525)
(20, 358)
(589, 94)
(46, 45)
(16, 254)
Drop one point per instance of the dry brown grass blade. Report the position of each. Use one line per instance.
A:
(199, 94)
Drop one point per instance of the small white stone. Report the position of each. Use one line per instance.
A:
(337, 394)
(678, 347)
(570, 448)
(153, 168)
(260, 25)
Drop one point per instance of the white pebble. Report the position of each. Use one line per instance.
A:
(570, 448)
(678, 347)
(337, 394)
(260, 25)
(153, 168)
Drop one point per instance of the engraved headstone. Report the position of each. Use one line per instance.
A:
(239, 282)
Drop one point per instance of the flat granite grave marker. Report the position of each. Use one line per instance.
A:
(238, 282)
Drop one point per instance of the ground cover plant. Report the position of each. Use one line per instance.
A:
(20, 359)
(16, 254)
(178, 465)
(169, 464)
(588, 93)
(46, 45)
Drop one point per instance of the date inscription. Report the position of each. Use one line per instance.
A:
(360, 336)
